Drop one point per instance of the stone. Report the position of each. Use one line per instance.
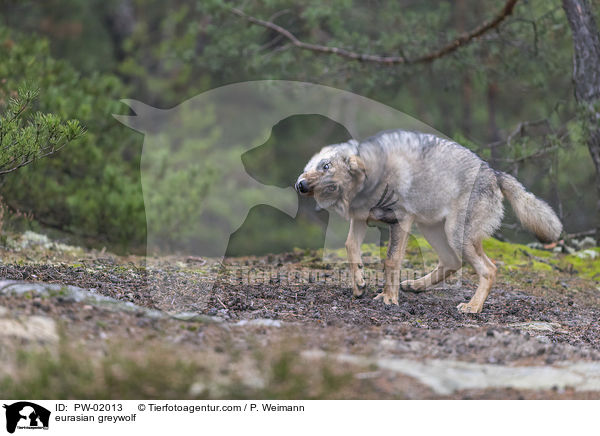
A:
(587, 254)
(541, 326)
(259, 322)
(445, 377)
(33, 328)
(90, 297)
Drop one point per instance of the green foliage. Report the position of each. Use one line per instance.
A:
(24, 139)
(178, 169)
(174, 50)
(93, 188)
(476, 95)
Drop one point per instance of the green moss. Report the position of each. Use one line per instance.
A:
(542, 266)
(510, 252)
(418, 250)
(586, 267)
(417, 243)
(374, 250)
(510, 256)
(515, 256)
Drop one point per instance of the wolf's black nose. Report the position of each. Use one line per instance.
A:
(302, 187)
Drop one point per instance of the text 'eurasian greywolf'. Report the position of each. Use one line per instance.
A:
(400, 177)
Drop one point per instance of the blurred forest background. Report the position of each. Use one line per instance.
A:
(507, 94)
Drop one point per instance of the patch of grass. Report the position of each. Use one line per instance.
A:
(71, 373)
(288, 377)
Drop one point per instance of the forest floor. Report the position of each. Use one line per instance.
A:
(78, 323)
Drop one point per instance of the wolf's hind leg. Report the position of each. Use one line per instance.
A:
(449, 261)
(398, 236)
(486, 270)
(356, 235)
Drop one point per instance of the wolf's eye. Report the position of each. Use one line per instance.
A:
(326, 166)
(331, 188)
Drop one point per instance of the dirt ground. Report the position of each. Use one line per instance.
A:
(239, 332)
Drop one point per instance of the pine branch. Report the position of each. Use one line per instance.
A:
(27, 161)
(23, 140)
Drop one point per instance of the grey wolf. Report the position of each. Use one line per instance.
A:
(399, 178)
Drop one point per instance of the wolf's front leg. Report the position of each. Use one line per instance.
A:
(358, 228)
(398, 236)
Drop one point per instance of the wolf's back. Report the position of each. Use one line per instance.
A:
(535, 214)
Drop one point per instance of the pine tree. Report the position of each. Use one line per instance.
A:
(25, 137)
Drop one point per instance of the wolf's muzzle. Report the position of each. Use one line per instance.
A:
(302, 187)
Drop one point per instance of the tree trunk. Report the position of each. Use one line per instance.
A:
(586, 78)
(119, 20)
(460, 12)
(493, 132)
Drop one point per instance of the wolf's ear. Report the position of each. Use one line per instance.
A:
(356, 166)
(145, 116)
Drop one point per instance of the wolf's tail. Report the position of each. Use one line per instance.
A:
(534, 214)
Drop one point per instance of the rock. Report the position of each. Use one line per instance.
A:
(195, 317)
(31, 239)
(197, 389)
(536, 245)
(259, 322)
(543, 339)
(33, 328)
(537, 326)
(447, 376)
(3, 311)
(90, 297)
(587, 242)
(587, 254)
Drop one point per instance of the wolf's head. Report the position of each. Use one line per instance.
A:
(333, 176)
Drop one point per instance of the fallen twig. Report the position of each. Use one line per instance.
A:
(539, 259)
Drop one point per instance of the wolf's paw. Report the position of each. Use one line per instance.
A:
(387, 299)
(412, 286)
(468, 308)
